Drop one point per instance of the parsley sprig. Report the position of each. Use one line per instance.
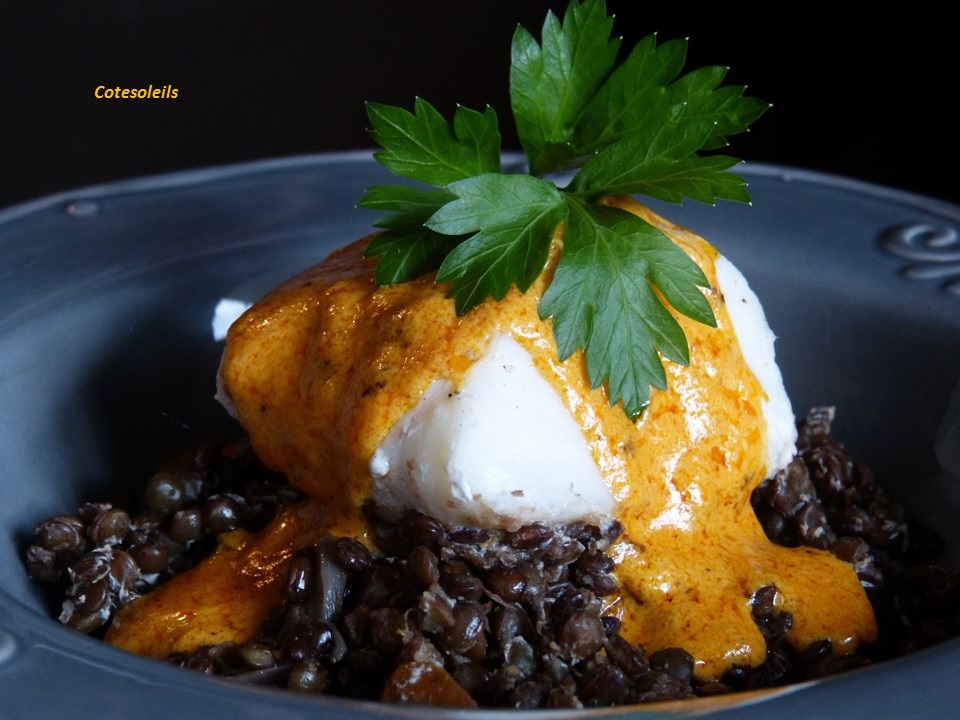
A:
(634, 128)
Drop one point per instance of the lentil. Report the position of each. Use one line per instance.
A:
(511, 619)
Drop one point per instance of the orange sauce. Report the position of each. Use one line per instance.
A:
(321, 369)
(226, 597)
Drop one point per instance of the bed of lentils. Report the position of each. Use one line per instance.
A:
(511, 619)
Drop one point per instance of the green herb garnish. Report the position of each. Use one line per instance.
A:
(633, 128)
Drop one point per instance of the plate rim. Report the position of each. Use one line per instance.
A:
(178, 179)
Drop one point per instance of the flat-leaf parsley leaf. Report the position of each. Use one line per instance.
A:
(637, 128)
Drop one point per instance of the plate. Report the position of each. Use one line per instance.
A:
(108, 356)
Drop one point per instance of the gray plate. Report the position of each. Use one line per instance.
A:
(107, 362)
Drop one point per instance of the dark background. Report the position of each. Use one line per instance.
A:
(868, 94)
